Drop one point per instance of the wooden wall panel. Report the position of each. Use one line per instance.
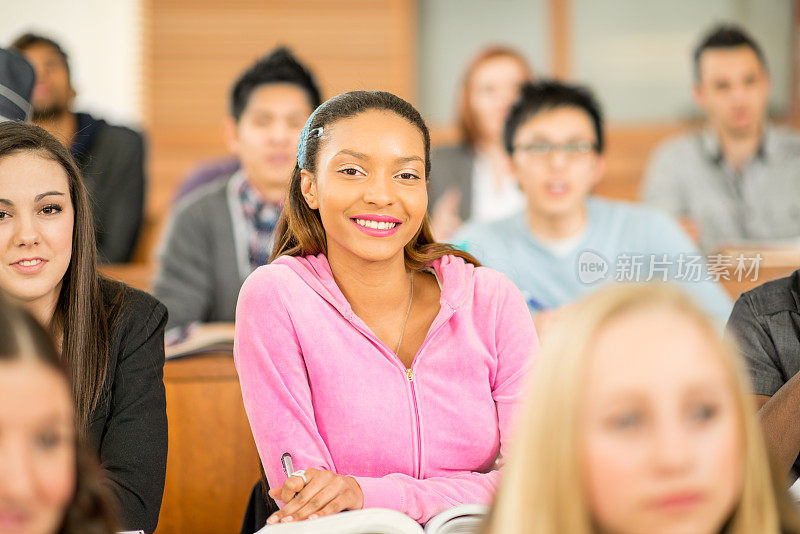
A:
(559, 12)
(195, 49)
(628, 150)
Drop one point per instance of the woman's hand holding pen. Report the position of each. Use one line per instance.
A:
(323, 493)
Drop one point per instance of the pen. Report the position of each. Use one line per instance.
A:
(535, 304)
(286, 462)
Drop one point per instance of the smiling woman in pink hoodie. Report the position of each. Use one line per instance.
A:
(388, 365)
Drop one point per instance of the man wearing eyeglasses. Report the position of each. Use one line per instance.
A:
(566, 241)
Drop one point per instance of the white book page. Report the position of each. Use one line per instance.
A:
(369, 521)
(463, 519)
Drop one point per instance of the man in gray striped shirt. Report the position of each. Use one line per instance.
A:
(738, 180)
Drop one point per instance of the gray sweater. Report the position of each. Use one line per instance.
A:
(451, 169)
(203, 262)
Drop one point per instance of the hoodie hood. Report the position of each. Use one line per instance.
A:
(456, 278)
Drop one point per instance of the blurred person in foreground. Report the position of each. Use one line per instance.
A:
(566, 241)
(472, 179)
(49, 482)
(110, 158)
(736, 181)
(638, 421)
(222, 232)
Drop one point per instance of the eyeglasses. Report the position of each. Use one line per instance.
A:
(544, 148)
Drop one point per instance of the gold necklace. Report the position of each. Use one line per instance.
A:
(408, 311)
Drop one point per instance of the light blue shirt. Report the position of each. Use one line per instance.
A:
(621, 242)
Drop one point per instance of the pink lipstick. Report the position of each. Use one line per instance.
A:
(376, 225)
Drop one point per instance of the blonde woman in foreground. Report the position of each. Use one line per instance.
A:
(639, 422)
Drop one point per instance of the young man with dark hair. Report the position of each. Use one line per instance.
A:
(566, 241)
(110, 158)
(222, 231)
(737, 180)
(221, 168)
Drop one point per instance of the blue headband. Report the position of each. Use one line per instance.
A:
(307, 132)
(304, 135)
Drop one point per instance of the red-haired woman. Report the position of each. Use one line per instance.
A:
(472, 179)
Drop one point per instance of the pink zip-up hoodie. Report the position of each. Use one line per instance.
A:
(318, 384)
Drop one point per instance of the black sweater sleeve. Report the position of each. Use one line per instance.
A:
(120, 199)
(133, 446)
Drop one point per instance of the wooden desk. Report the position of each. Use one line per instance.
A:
(137, 275)
(766, 274)
(212, 462)
(775, 264)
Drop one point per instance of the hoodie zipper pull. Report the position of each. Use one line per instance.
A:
(409, 375)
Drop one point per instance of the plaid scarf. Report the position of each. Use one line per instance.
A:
(262, 218)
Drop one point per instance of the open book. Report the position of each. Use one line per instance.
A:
(199, 338)
(462, 519)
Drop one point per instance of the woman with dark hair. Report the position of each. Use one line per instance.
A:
(49, 482)
(387, 365)
(473, 179)
(110, 336)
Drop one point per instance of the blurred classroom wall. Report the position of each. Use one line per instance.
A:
(638, 55)
(635, 54)
(451, 32)
(104, 42)
(168, 64)
(632, 53)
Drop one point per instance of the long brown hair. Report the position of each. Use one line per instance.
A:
(80, 316)
(300, 232)
(90, 511)
(466, 119)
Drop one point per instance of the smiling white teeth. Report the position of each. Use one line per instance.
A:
(375, 224)
(30, 263)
